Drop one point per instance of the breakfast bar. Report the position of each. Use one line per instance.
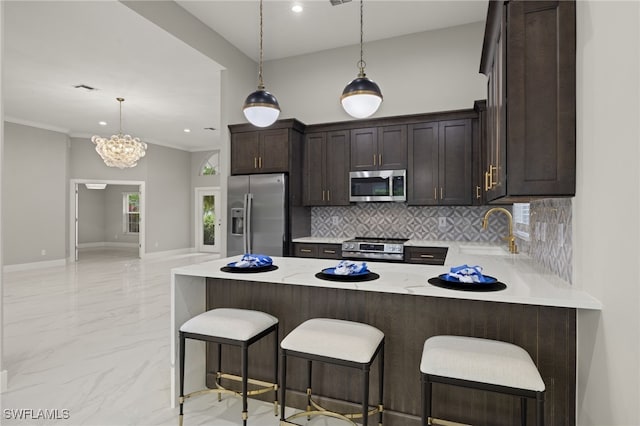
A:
(536, 311)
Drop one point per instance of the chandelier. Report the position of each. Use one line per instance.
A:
(362, 97)
(120, 151)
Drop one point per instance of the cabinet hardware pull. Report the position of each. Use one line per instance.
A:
(441, 196)
(305, 251)
(478, 192)
(494, 168)
(255, 163)
(323, 195)
(435, 193)
(427, 256)
(329, 251)
(379, 159)
(328, 195)
(374, 159)
(487, 185)
(260, 162)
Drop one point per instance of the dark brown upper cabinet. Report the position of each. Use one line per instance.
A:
(271, 150)
(379, 148)
(327, 168)
(529, 58)
(440, 163)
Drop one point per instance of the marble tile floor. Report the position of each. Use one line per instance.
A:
(92, 338)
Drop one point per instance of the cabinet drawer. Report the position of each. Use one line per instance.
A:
(330, 251)
(426, 255)
(305, 250)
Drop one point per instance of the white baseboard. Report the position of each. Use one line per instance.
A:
(3, 381)
(34, 265)
(174, 252)
(107, 244)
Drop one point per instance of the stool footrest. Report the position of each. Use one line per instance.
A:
(266, 386)
(321, 411)
(442, 422)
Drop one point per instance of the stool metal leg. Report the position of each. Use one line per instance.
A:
(275, 374)
(219, 368)
(426, 400)
(523, 411)
(540, 409)
(245, 376)
(182, 350)
(283, 385)
(380, 383)
(365, 397)
(309, 378)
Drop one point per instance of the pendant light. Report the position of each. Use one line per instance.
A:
(261, 107)
(362, 97)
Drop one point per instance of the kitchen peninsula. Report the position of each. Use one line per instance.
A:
(537, 311)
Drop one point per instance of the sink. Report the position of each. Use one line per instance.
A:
(485, 250)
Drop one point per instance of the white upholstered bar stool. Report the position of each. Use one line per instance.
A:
(236, 327)
(483, 364)
(338, 342)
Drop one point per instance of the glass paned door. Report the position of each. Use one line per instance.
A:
(208, 230)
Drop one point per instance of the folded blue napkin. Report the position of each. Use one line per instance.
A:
(346, 267)
(253, 261)
(468, 274)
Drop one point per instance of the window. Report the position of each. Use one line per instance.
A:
(521, 220)
(211, 166)
(131, 209)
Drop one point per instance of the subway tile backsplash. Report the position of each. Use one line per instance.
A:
(550, 243)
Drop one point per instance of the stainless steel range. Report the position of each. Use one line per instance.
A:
(391, 249)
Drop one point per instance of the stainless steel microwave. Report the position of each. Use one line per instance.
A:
(378, 185)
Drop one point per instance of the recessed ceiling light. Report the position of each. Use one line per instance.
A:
(187, 130)
(297, 8)
(102, 123)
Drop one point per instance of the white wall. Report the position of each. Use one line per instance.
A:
(606, 211)
(91, 206)
(424, 72)
(34, 192)
(3, 373)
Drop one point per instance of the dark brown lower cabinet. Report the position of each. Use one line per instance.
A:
(317, 250)
(548, 334)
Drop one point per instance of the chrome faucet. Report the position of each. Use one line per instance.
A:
(510, 238)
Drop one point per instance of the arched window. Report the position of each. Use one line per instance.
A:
(212, 165)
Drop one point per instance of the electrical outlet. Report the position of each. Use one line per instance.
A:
(442, 222)
(156, 244)
(560, 234)
(543, 232)
(335, 220)
(43, 252)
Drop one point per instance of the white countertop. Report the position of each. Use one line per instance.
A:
(526, 282)
(321, 240)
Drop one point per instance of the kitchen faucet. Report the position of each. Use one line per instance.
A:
(511, 238)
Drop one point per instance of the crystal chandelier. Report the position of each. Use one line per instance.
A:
(120, 151)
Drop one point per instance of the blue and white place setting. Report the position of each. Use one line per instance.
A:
(467, 278)
(347, 270)
(250, 263)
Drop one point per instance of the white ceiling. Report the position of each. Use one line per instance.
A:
(51, 46)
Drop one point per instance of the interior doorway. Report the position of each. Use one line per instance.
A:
(208, 221)
(125, 225)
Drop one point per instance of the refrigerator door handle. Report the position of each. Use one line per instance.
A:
(244, 223)
(247, 221)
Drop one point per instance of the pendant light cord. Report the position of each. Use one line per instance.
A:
(120, 100)
(362, 63)
(260, 82)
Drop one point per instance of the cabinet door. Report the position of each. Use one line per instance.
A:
(541, 98)
(244, 153)
(392, 147)
(364, 149)
(305, 250)
(314, 152)
(330, 251)
(336, 168)
(422, 179)
(274, 151)
(455, 163)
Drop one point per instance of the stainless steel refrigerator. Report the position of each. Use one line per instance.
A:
(258, 219)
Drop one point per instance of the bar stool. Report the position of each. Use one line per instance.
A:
(482, 364)
(338, 342)
(236, 327)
